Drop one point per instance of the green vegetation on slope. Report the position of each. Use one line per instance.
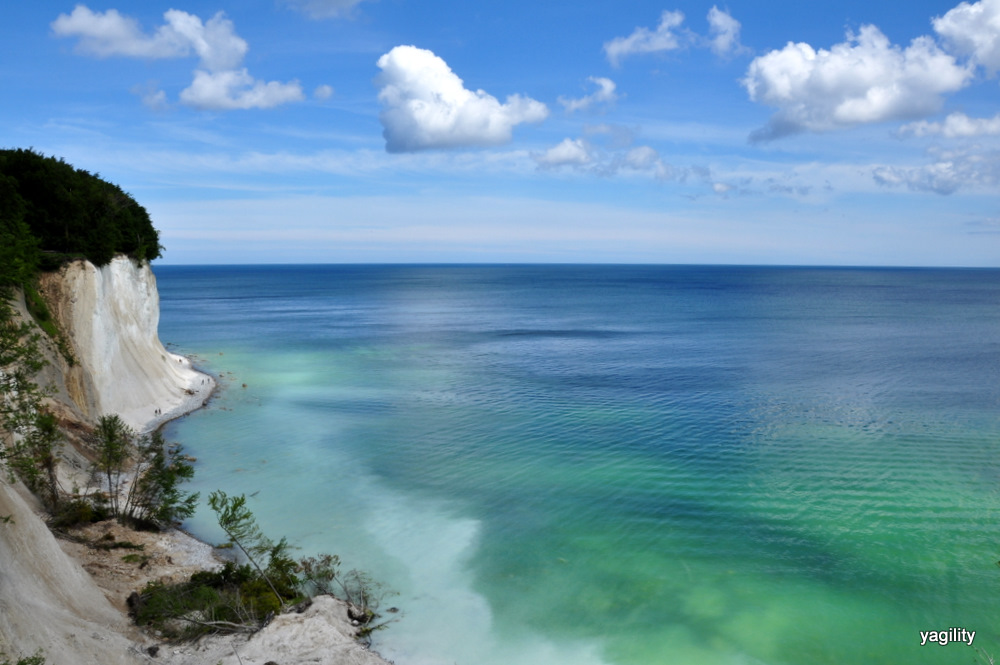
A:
(51, 212)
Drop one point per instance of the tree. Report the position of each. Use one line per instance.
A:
(35, 456)
(20, 396)
(157, 470)
(114, 441)
(241, 526)
(70, 213)
(154, 495)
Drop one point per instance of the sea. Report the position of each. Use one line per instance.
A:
(617, 464)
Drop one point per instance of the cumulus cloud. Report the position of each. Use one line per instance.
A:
(951, 170)
(956, 125)
(862, 80)
(582, 155)
(605, 93)
(320, 9)
(973, 30)
(219, 82)
(427, 106)
(236, 89)
(107, 34)
(724, 33)
(570, 152)
(644, 40)
(323, 92)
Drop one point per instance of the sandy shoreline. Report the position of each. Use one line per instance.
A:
(199, 390)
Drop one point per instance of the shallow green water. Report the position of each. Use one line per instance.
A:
(619, 465)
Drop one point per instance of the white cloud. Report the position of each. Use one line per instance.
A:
(644, 40)
(951, 170)
(862, 80)
(219, 82)
(320, 9)
(427, 106)
(641, 158)
(583, 155)
(323, 92)
(956, 125)
(973, 30)
(103, 35)
(605, 93)
(151, 96)
(724, 33)
(110, 33)
(236, 89)
(570, 152)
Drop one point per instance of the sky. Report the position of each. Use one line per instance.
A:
(388, 131)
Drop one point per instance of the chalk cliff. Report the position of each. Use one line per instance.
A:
(109, 316)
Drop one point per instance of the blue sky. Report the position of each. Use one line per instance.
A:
(854, 133)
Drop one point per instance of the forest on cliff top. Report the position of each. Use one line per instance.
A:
(51, 212)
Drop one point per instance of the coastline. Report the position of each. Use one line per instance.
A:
(320, 633)
(66, 600)
(196, 395)
(63, 598)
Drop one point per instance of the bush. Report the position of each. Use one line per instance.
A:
(77, 512)
(243, 597)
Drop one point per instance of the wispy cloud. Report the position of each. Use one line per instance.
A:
(724, 33)
(643, 40)
(321, 9)
(605, 93)
(956, 125)
(972, 168)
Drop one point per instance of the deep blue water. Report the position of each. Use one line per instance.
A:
(618, 464)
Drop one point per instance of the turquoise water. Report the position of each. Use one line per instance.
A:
(617, 465)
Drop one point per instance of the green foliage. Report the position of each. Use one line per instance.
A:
(77, 512)
(154, 497)
(114, 443)
(364, 595)
(18, 247)
(69, 213)
(136, 558)
(37, 659)
(233, 599)
(34, 457)
(241, 527)
(242, 597)
(28, 436)
(39, 311)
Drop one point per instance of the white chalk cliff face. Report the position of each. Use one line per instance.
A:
(110, 315)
